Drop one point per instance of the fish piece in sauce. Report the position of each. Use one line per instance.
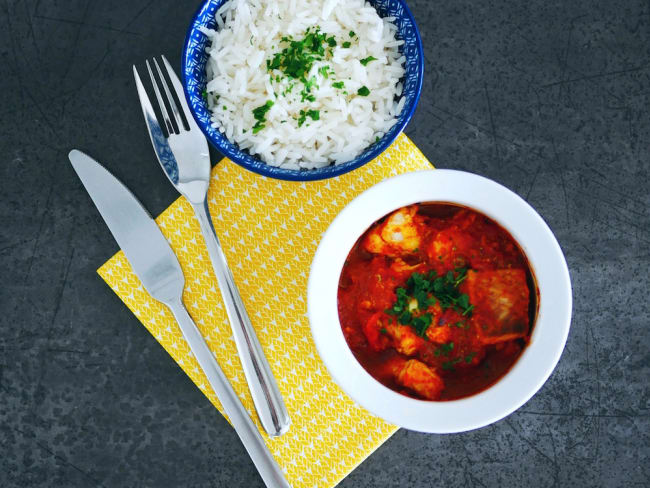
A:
(500, 298)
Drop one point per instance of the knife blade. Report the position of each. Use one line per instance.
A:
(154, 262)
(137, 234)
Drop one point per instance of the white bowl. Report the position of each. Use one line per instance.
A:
(545, 257)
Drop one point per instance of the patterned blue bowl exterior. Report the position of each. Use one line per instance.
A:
(194, 81)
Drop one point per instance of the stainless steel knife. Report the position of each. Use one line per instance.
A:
(154, 262)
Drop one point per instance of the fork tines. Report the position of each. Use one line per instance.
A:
(175, 120)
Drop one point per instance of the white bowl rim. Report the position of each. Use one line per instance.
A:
(545, 257)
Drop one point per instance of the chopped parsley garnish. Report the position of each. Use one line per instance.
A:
(468, 310)
(365, 61)
(363, 91)
(260, 115)
(447, 348)
(423, 291)
(377, 140)
(289, 89)
(204, 94)
(312, 114)
(449, 365)
(310, 83)
(421, 323)
(469, 357)
(338, 84)
(297, 57)
(225, 108)
(346, 44)
(383, 331)
(352, 34)
(304, 95)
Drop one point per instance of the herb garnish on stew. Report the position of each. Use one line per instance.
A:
(423, 291)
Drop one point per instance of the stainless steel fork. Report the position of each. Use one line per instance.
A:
(183, 155)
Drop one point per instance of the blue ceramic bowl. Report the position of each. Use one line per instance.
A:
(194, 81)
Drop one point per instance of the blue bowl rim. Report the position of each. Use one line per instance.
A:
(311, 174)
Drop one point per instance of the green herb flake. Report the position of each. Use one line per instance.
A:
(447, 348)
(449, 365)
(405, 317)
(338, 84)
(470, 357)
(307, 96)
(302, 118)
(383, 331)
(312, 114)
(346, 44)
(468, 310)
(260, 115)
(363, 91)
(421, 324)
(352, 34)
(365, 61)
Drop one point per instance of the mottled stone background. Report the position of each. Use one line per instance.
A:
(549, 98)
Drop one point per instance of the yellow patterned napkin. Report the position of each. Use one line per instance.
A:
(269, 230)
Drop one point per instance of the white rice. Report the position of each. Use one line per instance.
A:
(249, 33)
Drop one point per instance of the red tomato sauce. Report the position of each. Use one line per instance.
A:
(437, 301)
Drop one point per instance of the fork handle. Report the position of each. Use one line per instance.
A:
(266, 395)
(244, 426)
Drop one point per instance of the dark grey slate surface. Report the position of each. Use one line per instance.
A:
(549, 98)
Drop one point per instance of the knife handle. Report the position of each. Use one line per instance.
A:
(244, 426)
(264, 390)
